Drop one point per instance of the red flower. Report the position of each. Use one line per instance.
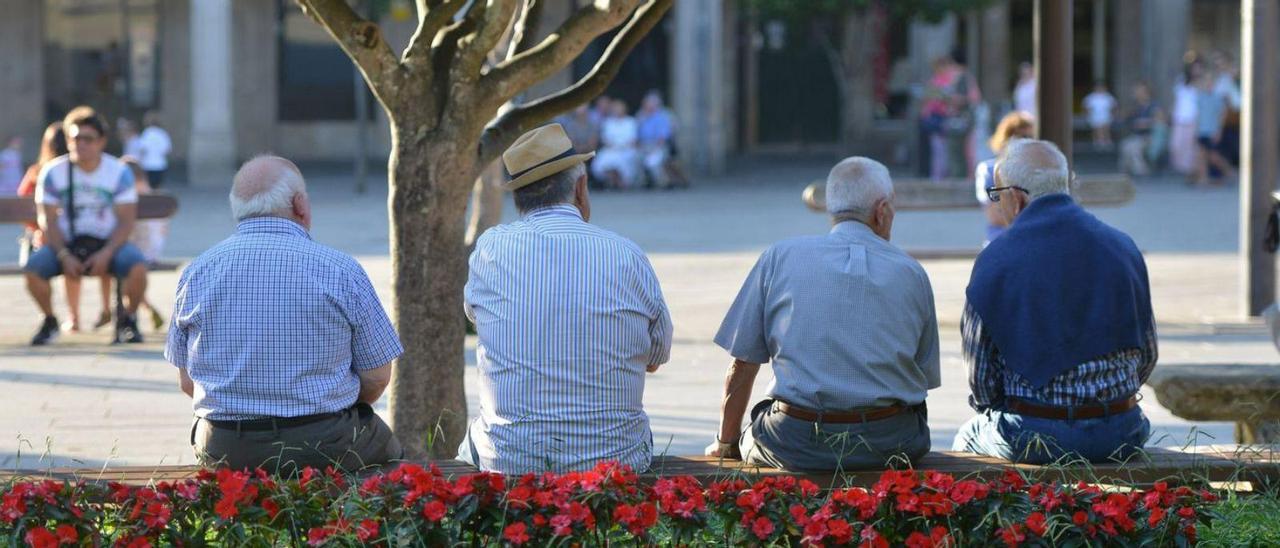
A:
(1036, 524)
(434, 510)
(226, 508)
(872, 539)
(367, 530)
(271, 507)
(187, 490)
(140, 542)
(751, 500)
(1157, 515)
(561, 525)
(307, 475)
(516, 533)
(317, 535)
(67, 534)
(799, 515)
(40, 537)
(840, 530)
(762, 527)
(1187, 512)
(157, 515)
(966, 490)
(1013, 535)
(1080, 518)
(12, 506)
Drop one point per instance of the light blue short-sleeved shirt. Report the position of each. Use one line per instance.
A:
(846, 319)
(269, 323)
(569, 316)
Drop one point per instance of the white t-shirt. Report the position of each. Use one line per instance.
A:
(154, 147)
(97, 194)
(1024, 97)
(1099, 105)
(1184, 104)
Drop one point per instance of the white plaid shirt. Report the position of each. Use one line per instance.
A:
(269, 323)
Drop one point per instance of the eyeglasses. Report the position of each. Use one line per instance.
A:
(993, 193)
(86, 138)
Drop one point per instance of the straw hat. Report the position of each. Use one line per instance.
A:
(542, 152)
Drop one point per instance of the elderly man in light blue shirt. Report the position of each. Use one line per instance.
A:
(848, 322)
(281, 341)
(570, 317)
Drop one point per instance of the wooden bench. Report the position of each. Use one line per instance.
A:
(22, 210)
(1194, 465)
(914, 194)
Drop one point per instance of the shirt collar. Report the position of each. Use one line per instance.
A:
(271, 225)
(853, 229)
(558, 210)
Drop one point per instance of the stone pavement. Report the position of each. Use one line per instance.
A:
(85, 402)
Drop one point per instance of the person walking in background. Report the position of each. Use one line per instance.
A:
(1211, 114)
(131, 142)
(1227, 86)
(1145, 124)
(11, 167)
(1100, 107)
(1024, 93)
(154, 147)
(1182, 135)
(1015, 125)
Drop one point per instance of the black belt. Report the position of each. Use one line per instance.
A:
(1088, 411)
(272, 423)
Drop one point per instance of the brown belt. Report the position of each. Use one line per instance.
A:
(841, 417)
(1091, 411)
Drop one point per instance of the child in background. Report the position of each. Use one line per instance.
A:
(1100, 107)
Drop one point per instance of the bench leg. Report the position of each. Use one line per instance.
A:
(1258, 432)
(120, 311)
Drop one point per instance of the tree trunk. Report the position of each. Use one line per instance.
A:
(486, 203)
(429, 179)
(853, 63)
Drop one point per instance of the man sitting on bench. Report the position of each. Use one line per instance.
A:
(1057, 330)
(281, 341)
(87, 206)
(848, 321)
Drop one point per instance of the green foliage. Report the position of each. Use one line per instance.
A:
(1244, 521)
(928, 10)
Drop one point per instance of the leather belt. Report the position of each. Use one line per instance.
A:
(272, 423)
(1091, 411)
(842, 417)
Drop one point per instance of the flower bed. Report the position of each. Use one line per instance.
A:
(412, 505)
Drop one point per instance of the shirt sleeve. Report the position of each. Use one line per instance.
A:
(374, 342)
(928, 355)
(1150, 354)
(175, 347)
(660, 329)
(986, 379)
(743, 332)
(45, 192)
(126, 192)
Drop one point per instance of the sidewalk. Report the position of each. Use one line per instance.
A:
(83, 401)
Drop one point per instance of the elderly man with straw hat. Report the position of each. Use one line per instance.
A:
(570, 318)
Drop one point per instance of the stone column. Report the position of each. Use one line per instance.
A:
(1165, 27)
(1099, 61)
(22, 64)
(1053, 72)
(994, 76)
(1260, 20)
(1126, 51)
(698, 83)
(212, 150)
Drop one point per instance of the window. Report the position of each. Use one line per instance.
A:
(102, 53)
(317, 79)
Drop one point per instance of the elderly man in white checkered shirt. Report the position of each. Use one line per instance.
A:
(847, 320)
(280, 341)
(570, 318)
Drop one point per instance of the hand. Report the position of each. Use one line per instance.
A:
(728, 451)
(96, 264)
(652, 368)
(71, 266)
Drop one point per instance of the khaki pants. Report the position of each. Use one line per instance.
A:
(355, 439)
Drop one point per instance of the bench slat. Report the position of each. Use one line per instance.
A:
(156, 205)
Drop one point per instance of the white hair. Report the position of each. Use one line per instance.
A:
(1038, 166)
(253, 197)
(855, 185)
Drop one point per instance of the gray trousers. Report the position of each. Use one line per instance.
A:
(781, 441)
(354, 439)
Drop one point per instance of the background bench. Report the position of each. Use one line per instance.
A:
(1247, 394)
(1258, 464)
(22, 210)
(914, 194)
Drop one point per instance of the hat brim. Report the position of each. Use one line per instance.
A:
(538, 173)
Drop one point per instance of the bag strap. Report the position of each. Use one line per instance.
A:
(71, 201)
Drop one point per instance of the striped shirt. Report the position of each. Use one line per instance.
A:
(846, 318)
(569, 316)
(1107, 378)
(269, 323)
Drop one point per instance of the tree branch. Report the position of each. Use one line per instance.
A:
(360, 38)
(493, 21)
(433, 16)
(526, 30)
(556, 51)
(504, 130)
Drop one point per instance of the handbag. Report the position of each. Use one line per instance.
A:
(82, 247)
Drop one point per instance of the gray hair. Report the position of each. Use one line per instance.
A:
(855, 185)
(1035, 165)
(553, 189)
(265, 186)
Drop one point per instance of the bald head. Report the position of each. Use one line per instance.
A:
(268, 186)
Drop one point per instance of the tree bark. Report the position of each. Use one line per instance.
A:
(852, 64)
(427, 204)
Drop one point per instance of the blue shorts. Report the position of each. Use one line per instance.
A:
(45, 264)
